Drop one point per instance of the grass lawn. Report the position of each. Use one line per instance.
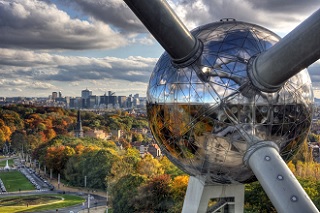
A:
(15, 180)
(4, 162)
(38, 202)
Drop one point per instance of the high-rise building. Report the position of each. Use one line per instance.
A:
(86, 93)
(54, 96)
(122, 101)
(104, 99)
(92, 101)
(113, 100)
(76, 103)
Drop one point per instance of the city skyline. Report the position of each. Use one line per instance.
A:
(55, 45)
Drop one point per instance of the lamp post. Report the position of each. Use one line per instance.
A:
(88, 202)
(107, 210)
(58, 180)
(85, 186)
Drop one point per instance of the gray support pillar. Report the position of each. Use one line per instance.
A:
(296, 51)
(162, 22)
(199, 194)
(281, 186)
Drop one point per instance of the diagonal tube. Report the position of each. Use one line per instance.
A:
(296, 51)
(281, 186)
(168, 30)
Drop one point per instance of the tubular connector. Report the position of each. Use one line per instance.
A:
(257, 81)
(162, 22)
(191, 57)
(257, 146)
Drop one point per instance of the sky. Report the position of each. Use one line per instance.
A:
(59, 45)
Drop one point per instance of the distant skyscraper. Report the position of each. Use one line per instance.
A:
(92, 101)
(78, 132)
(122, 101)
(54, 95)
(86, 93)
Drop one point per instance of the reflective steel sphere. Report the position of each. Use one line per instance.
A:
(206, 116)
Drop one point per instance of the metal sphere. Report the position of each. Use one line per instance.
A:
(206, 116)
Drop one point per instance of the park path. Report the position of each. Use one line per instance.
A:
(84, 192)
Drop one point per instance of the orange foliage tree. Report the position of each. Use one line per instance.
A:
(57, 157)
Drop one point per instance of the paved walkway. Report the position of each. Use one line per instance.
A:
(99, 209)
(65, 188)
(99, 197)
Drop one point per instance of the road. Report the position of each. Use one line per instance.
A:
(44, 186)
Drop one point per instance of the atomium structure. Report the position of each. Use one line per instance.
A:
(230, 102)
(206, 116)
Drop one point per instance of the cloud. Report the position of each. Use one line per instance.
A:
(288, 6)
(314, 71)
(23, 64)
(113, 12)
(279, 16)
(19, 85)
(36, 24)
(31, 29)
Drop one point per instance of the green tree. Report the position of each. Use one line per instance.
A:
(96, 165)
(256, 199)
(19, 140)
(124, 191)
(73, 172)
(170, 168)
(137, 137)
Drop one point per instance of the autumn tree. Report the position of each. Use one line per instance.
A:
(149, 166)
(5, 132)
(155, 195)
(57, 157)
(178, 188)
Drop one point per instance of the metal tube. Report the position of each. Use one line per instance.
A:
(281, 186)
(296, 51)
(166, 27)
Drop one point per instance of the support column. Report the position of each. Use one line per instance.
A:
(277, 180)
(199, 194)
